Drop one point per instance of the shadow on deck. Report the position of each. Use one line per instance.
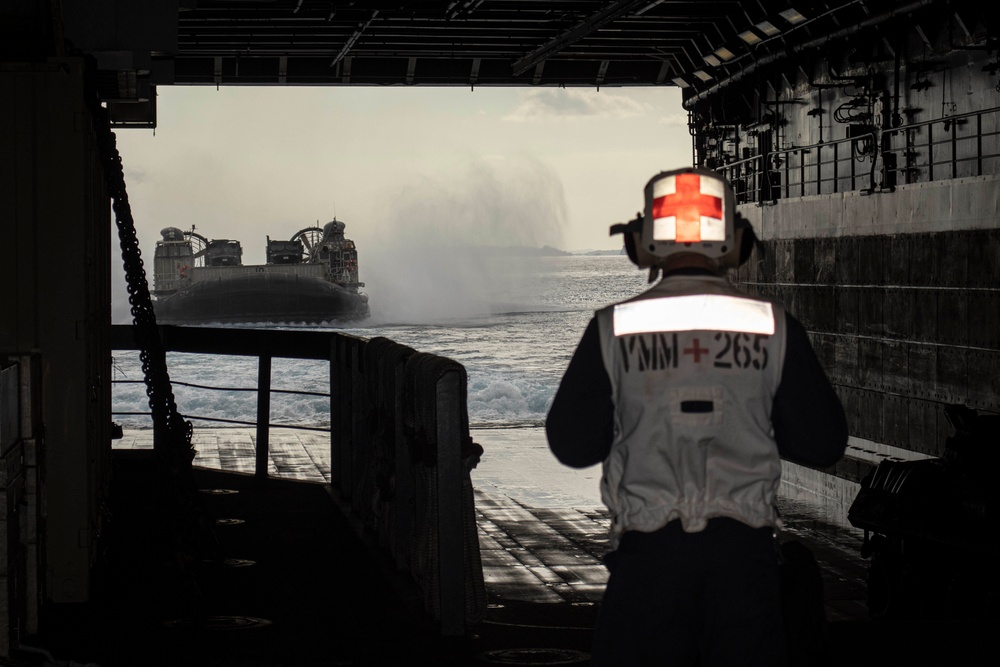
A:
(290, 583)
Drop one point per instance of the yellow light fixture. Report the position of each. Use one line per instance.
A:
(792, 15)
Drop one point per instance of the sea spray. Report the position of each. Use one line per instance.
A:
(514, 358)
(434, 255)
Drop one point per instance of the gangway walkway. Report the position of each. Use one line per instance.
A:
(543, 531)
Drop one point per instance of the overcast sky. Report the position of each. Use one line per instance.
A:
(401, 166)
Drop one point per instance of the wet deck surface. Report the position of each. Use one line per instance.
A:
(542, 534)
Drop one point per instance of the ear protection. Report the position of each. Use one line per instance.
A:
(630, 229)
(689, 210)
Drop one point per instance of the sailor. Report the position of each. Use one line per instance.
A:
(690, 394)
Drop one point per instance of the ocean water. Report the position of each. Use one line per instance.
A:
(513, 322)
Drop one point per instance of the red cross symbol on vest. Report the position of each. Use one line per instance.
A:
(696, 350)
(687, 205)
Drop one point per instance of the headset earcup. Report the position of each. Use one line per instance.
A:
(630, 248)
(747, 244)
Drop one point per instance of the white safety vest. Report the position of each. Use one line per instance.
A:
(694, 366)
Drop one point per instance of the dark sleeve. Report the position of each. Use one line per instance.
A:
(809, 422)
(580, 422)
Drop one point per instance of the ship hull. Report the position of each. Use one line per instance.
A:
(272, 298)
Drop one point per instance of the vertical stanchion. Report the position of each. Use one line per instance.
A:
(359, 439)
(263, 414)
(335, 420)
(836, 167)
(449, 510)
(340, 416)
(403, 498)
(930, 152)
(347, 419)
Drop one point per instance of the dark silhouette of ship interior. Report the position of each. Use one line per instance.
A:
(862, 138)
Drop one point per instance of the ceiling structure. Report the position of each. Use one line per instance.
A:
(697, 45)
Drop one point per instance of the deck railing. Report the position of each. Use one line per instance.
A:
(955, 146)
(400, 450)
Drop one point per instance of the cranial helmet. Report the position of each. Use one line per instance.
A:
(689, 210)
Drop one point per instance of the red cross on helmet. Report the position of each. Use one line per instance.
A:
(688, 210)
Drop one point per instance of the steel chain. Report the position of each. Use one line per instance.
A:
(172, 440)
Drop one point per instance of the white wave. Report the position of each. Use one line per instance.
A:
(514, 359)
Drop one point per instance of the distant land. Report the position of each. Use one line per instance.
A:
(544, 251)
(620, 251)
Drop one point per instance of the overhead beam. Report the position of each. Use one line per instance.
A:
(601, 71)
(349, 44)
(474, 74)
(411, 68)
(456, 9)
(790, 50)
(538, 73)
(576, 33)
(664, 71)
